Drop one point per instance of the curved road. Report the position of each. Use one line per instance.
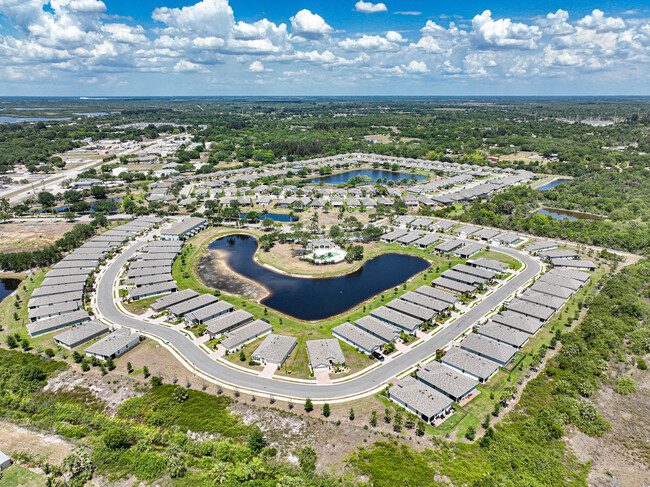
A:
(366, 382)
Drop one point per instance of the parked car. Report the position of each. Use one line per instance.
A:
(378, 356)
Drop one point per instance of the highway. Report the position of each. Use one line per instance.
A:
(369, 381)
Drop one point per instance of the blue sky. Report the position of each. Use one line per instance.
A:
(253, 47)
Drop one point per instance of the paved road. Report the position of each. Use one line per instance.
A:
(369, 381)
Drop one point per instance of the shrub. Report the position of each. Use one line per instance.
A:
(309, 407)
(641, 365)
(625, 386)
(470, 434)
(116, 439)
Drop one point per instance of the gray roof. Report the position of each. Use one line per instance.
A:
(193, 304)
(420, 397)
(563, 280)
(55, 299)
(446, 380)
(171, 256)
(552, 289)
(378, 328)
(166, 263)
(186, 225)
(470, 362)
(411, 309)
(74, 287)
(543, 245)
(542, 299)
(227, 322)
(57, 322)
(113, 343)
(425, 301)
(504, 334)
(217, 308)
(557, 253)
(474, 271)
(178, 297)
(518, 322)
(67, 272)
(151, 279)
(275, 348)
(467, 229)
(54, 310)
(463, 277)
(246, 333)
(323, 352)
(152, 289)
(358, 337)
(449, 245)
(571, 263)
(396, 318)
(394, 235)
(489, 348)
(456, 286)
(570, 274)
(438, 294)
(169, 244)
(81, 333)
(147, 271)
(491, 264)
(529, 309)
(427, 240)
(469, 249)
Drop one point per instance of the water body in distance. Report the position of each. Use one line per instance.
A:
(32, 119)
(568, 214)
(317, 299)
(373, 174)
(552, 184)
(276, 217)
(7, 286)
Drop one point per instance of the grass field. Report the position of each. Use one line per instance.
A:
(17, 476)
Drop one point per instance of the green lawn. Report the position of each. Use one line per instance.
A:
(17, 476)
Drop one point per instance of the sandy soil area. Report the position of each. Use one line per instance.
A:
(16, 438)
(622, 456)
(30, 236)
(214, 271)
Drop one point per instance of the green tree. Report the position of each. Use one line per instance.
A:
(351, 415)
(309, 407)
(326, 410)
(256, 440)
(46, 199)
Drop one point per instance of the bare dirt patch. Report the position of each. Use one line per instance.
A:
(31, 235)
(333, 438)
(214, 271)
(622, 456)
(16, 438)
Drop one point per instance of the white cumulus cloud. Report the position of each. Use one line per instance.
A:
(310, 26)
(503, 33)
(369, 7)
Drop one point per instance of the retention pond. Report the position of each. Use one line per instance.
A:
(312, 298)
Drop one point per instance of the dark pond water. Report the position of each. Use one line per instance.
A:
(277, 217)
(552, 184)
(374, 174)
(7, 286)
(568, 214)
(317, 299)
